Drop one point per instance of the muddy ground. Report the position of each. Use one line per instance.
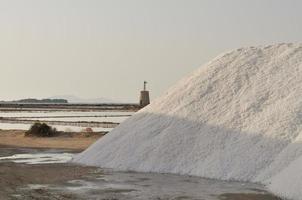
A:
(14, 176)
(21, 181)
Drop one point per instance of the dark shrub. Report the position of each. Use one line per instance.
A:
(41, 130)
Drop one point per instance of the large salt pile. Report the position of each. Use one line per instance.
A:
(239, 117)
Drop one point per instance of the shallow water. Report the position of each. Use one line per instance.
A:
(108, 184)
(64, 116)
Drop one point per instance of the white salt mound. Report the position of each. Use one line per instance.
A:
(239, 117)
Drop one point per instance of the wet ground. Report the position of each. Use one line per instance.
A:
(44, 174)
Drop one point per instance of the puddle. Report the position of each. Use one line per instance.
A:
(107, 184)
(36, 186)
(39, 158)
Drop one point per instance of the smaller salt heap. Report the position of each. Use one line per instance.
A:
(239, 117)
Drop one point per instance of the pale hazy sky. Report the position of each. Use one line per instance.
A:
(98, 48)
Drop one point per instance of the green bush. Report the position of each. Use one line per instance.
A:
(41, 130)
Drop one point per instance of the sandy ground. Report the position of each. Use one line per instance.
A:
(79, 141)
(14, 176)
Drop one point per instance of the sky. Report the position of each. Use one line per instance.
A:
(107, 48)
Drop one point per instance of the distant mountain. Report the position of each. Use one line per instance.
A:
(75, 99)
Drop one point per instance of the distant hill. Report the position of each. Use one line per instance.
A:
(32, 100)
(75, 99)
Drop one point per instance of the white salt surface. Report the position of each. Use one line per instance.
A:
(239, 117)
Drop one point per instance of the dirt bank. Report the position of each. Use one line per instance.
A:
(79, 141)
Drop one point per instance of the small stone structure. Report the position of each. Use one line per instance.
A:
(144, 99)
